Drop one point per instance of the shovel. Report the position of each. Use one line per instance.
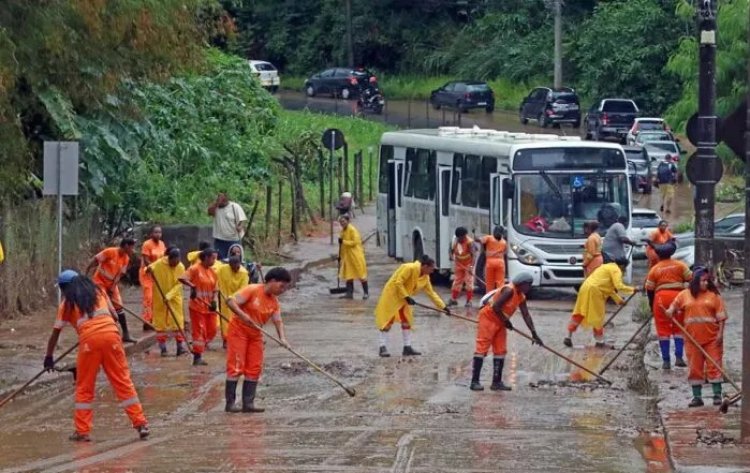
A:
(338, 289)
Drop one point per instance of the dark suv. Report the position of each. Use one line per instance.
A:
(463, 95)
(338, 81)
(551, 107)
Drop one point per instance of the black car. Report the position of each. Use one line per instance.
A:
(611, 118)
(551, 107)
(463, 95)
(339, 82)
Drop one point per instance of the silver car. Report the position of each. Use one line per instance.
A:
(662, 149)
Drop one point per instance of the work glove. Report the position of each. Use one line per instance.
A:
(507, 323)
(213, 306)
(410, 301)
(193, 293)
(49, 363)
(535, 340)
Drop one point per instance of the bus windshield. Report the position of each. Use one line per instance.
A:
(556, 205)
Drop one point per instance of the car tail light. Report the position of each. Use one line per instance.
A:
(467, 96)
(549, 112)
(605, 119)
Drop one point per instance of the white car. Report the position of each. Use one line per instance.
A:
(266, 73)
(645, 125)
(644, 221)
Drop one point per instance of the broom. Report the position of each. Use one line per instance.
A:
(338, 289)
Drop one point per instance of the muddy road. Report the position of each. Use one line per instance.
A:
(410, 414)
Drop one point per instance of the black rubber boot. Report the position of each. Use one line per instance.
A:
(568, 342)
(248, 397)
(384, 352)
(143, 432)
(680, 363)
(124, 324)
(696, 402)
(476, 373)
(665, 365)
(409, 351)
(366, 290)
(230, 394)
(181, 349)
(349, 290)
(198, 360)
(497, 375)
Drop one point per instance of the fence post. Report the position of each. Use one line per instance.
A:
(293, 195)
(369, 170)
(322, 179)
(278, 218)
(345, 173)
(443, 117)
(269, 209)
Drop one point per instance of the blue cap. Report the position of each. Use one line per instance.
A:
(66, 276)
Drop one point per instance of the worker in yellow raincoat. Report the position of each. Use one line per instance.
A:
(352, 265)
(590, 308)
(232, 277)
(193, 257)
(2, 255)
(396, 301)
(168, 321)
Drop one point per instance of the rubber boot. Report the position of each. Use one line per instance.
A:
(163, 348)
(198, 360)
(230, 394)
(143, 431)
(716, 387)
(248, 397)
(76, 437)
(366, 290)
(124, 324)
(664, 348)
(181, 348)
(497, 375)
(568, 342)
(409, 351)
(384, 352)
(679, 345)
(349, 290)
(147, 328)
(697, 400)
(476, 373)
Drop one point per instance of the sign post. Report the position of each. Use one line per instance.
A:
(60, 178)
(332, 139)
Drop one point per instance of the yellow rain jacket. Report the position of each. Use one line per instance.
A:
(353, 265)
(229, 283)
(166, 277)
(2, 255)
(193, 258)
(603, 283)
(405, 282)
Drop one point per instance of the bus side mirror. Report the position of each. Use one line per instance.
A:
(508, 188)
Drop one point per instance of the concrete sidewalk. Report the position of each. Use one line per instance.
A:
(702, 439)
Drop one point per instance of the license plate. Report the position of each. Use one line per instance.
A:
(481, 103)
(381, 102)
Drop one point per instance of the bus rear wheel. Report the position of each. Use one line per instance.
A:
(418, 246)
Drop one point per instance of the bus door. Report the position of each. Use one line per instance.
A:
(442, 217)
(496, 200)
(395, 203)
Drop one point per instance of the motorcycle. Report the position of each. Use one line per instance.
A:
(371, 100)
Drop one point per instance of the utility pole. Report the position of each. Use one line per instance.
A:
(745, 411)
(558, 43)
(349, 39)
(709, 166)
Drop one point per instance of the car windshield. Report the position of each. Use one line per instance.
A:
(634, 155)
(264, 66)
(650, 125)
(477, 88)
(556, 205)
(656, 146)
(619, 106)
(646, 137)
(645, 220)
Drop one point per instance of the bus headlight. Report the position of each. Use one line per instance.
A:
(525, 256)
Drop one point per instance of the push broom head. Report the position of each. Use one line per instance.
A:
(337, 290)
(724, 406)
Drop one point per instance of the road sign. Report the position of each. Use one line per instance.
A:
(333, 138)
(60, 167)
(704, 170)
(733, 130)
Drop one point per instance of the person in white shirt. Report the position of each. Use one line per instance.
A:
(229, 223)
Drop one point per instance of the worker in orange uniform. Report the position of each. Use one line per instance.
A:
(659, 236)
(703, 310)
(590, 308)
(232, 277)
(492, 331)
(169, 318)
(494, 247)
(396, 300)
(111, 263)
(253, 306)
(87, 308)
(151, 250)
(664, 281)
(202, 281)
(462, 255)
(592, 249)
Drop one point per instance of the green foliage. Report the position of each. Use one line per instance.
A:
(621, 49)
(730, 189)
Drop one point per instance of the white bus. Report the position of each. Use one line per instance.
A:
(539, 187)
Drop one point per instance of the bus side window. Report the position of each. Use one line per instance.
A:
(411, 157)
(489, 166)
(471, 181)
(386, 154)
(458, 165)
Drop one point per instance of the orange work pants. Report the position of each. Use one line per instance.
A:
(104, 350)
(462, 276)
(699, 366)
(203, 326)
(147, 285)
(244, 352)
(494, 274)
(575, 321)
(402, 318)
(491, 332)
(665, 327)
